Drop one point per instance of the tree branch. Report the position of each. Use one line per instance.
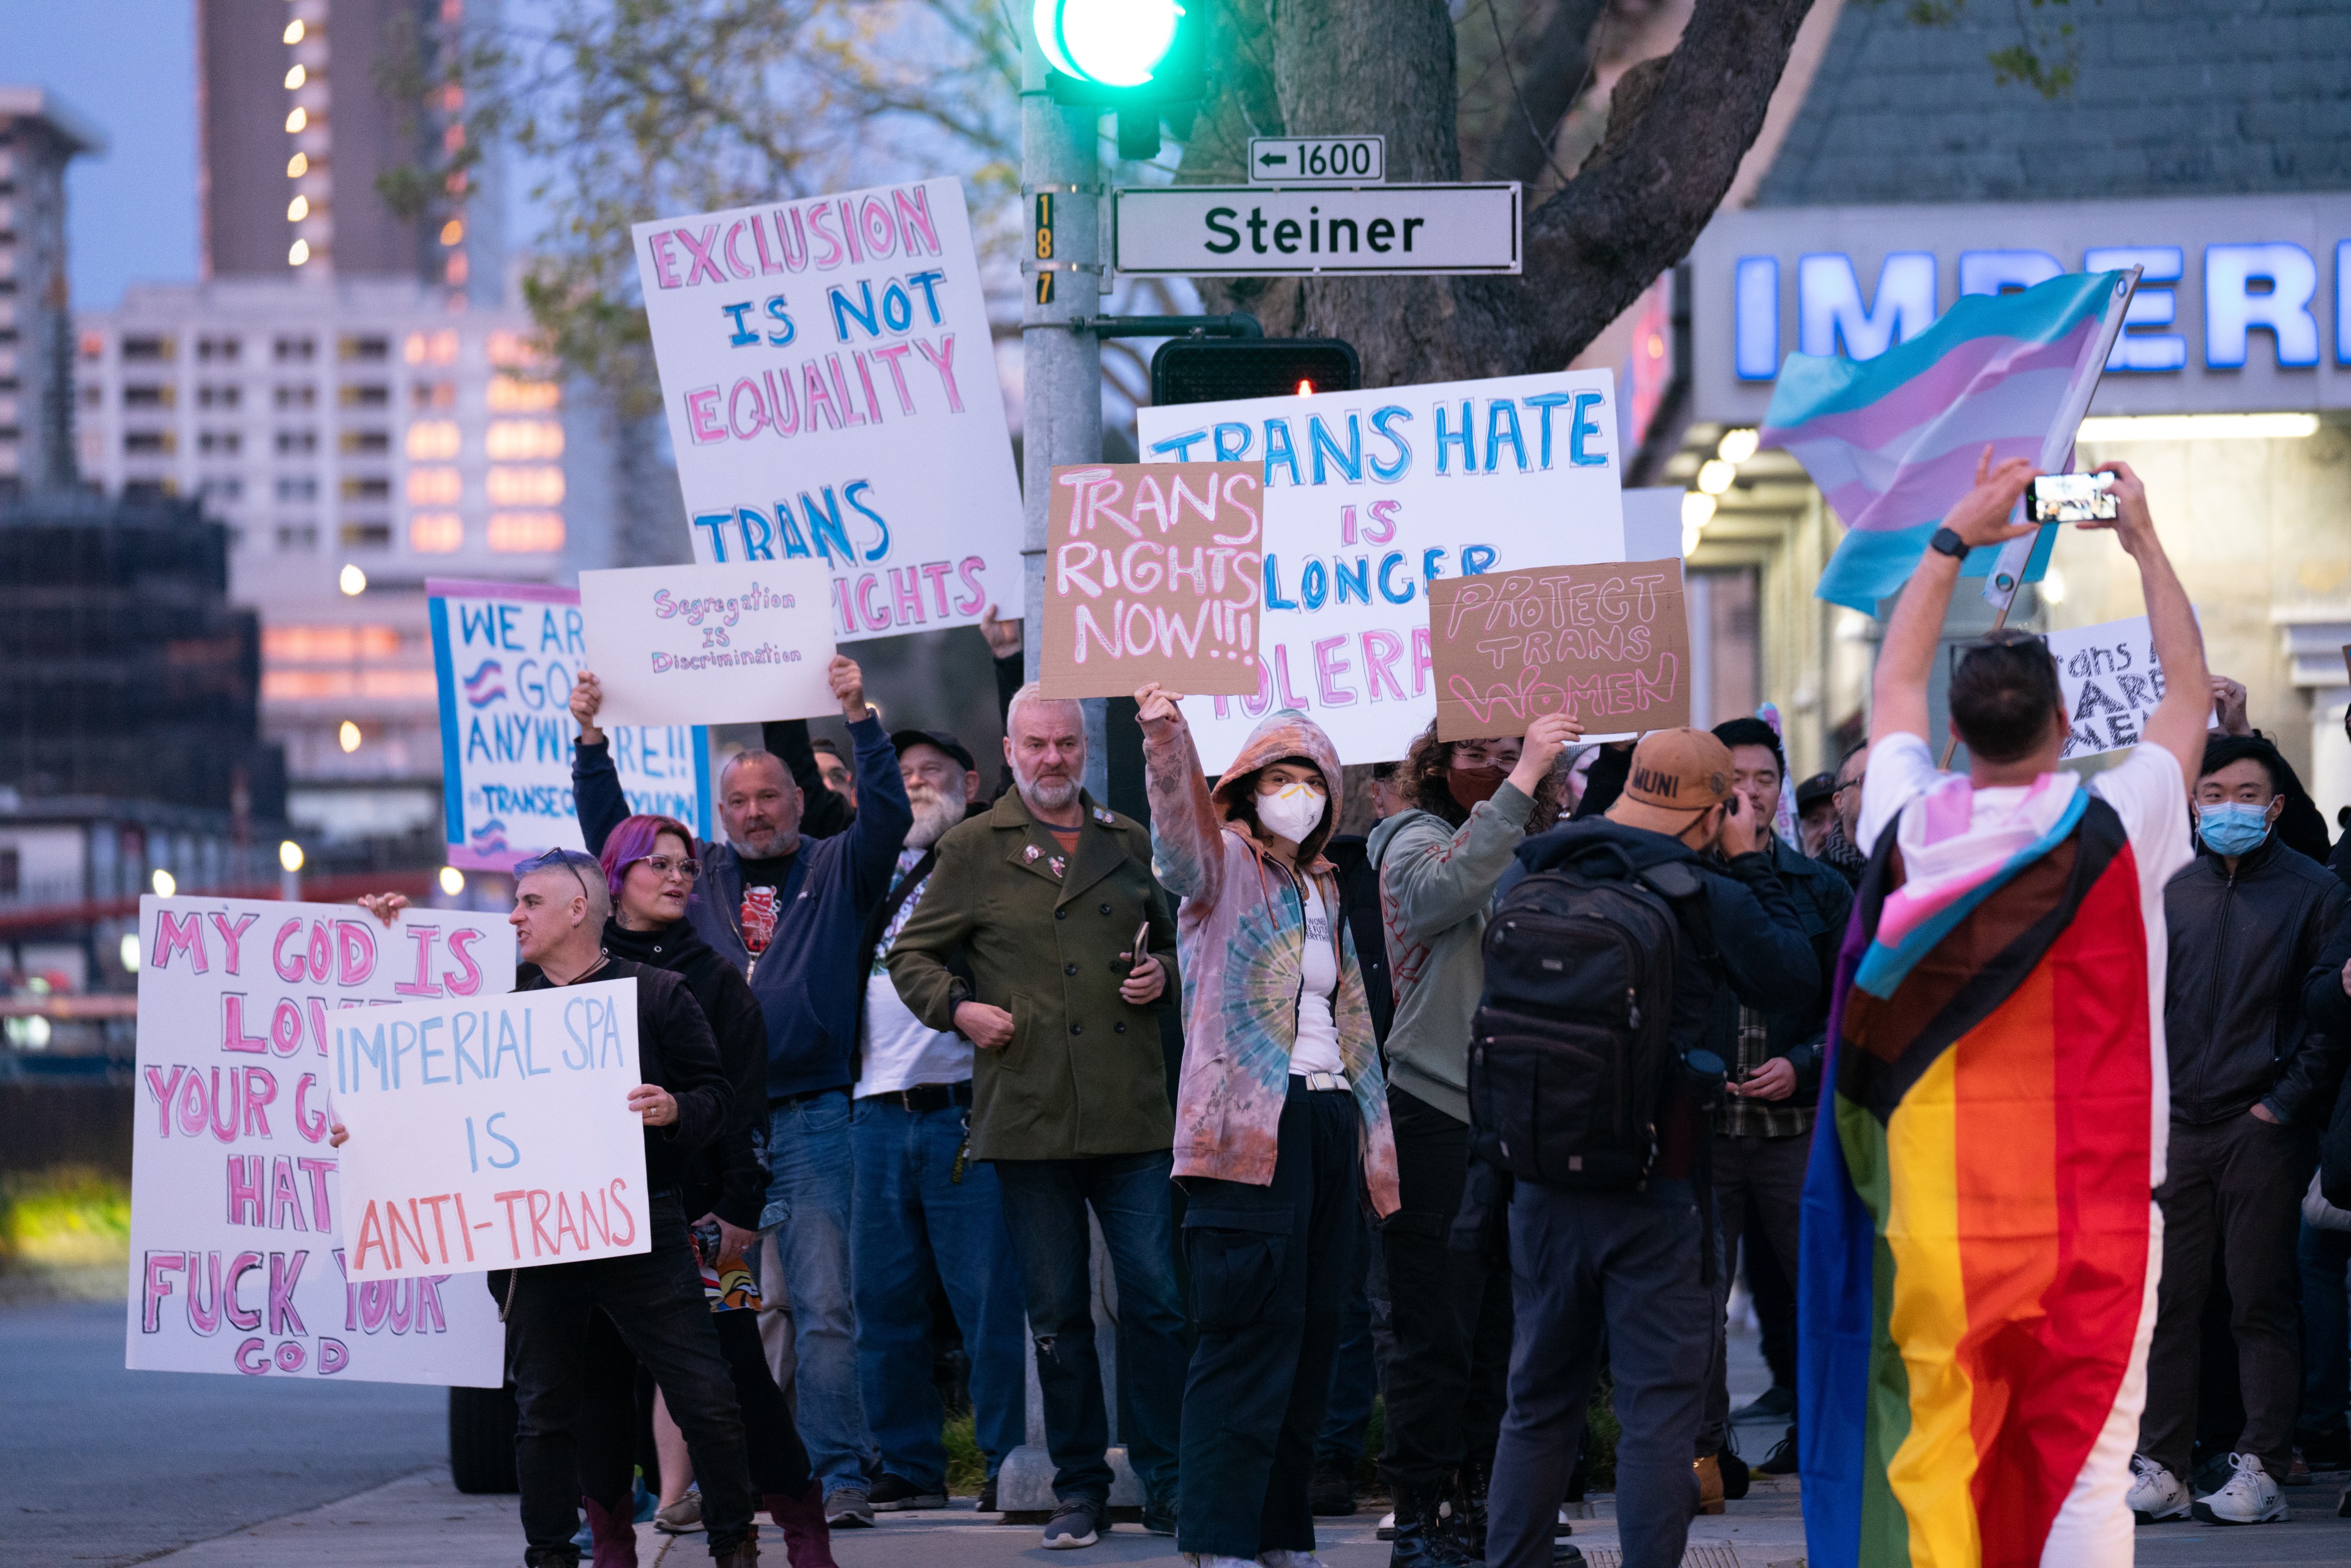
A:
(1549, 75)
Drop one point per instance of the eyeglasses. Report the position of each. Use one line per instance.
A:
(569, 860)
(1850, 784)
(661, 865)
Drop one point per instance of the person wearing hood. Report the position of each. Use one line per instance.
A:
(1469, 806)
(1281, 1119)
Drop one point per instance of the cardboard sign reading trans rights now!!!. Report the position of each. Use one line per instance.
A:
(1607, 645)
(1154, 577)
(710, 645)
(491, 1132)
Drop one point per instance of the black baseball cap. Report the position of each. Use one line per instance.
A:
(1820, 787)
(903, 739)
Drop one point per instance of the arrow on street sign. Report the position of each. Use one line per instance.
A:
(1259, 231)
(1317, 160)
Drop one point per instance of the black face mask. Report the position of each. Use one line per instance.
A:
(1467, 785)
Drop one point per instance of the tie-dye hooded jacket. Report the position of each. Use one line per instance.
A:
(1242, 936)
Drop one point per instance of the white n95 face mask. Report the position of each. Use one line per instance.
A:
(1292, 810)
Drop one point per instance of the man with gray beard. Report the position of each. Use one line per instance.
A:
(926, 1215)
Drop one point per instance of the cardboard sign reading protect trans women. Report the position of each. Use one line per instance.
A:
(492, 1133)
(240, 1238)
(1152, 575)
(1607, 645)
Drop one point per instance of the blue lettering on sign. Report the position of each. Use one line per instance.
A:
(2150, 307)
(2234, 309)
(2004, 271)
(1830, 310)
(1755, 317)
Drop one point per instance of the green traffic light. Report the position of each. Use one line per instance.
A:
(1117, 43)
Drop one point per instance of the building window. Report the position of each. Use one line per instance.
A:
(297, 490)
(222, 441)
(223, 350)
(436, 533)
(148, 442)
(366, 349)
(294, 443)
(526, 533)
(522, 440)
(149, 489)
(218, 396)
(433, 487)
(296, 350)
(433, 440)
(509, 394)
(147, 394)
(223, 487)
(366, 535)
(366, 395)
(12, 872)
(430, 348)
(148, 350)
(433, 395)
(526, 486)
(293, 537)
(329, 644)
(366, 441)
(92, 396)
(298, 397)
(93, 344)
(362, 488)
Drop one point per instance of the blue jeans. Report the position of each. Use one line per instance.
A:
(2326, 1330)
(917, 1225)
(1045, 1207)
(808, 1208)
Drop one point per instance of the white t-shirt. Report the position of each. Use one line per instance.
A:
(900, 1050)
(1317, 1050)
(2145, 791)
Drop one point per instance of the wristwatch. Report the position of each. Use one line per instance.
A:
(1948, 543)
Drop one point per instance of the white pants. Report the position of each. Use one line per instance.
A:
(2094, 1528)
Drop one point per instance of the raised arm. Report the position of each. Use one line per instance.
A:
(1905, 656)
(1436, 884)
(1187, 840)
(2176, 724)
(823, 813)
(880, 830)
(596, 792)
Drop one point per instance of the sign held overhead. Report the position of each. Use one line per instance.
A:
(1608, 645)
(1317, 160)
(1257, 231)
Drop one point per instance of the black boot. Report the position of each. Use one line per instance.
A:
(1422, 1537)
(1468, 1521)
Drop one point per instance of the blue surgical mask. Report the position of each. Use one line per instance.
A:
(2232, 828)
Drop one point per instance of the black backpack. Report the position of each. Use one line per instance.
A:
(1570, 1048)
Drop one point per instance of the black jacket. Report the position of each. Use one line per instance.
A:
(1359, 893)
(2234, 1011)
(728, 1177)
(1824, 903)
(675, 1051)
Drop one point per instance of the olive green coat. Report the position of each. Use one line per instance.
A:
(1042, 933)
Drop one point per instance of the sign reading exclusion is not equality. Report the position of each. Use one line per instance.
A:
(1607, 645)
(830, 385)
(710, 645)
(240, 1242)
(491, 1132)
(1370, 497)
(505, 655)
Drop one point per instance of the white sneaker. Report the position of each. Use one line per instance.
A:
(2250, 1496)
(1281, 1558)
(2155, 1495)
(1208, 1560)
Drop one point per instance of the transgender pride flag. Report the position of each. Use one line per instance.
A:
(1892, 442)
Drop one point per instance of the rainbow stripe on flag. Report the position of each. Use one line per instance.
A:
(1977, 1237)
(1893, 441)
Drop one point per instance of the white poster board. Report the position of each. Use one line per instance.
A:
(503, 656)
(830, 382)
(1369, 495)
(491, 1133)
(2112, 682)
(710, 645)
(238, 1243)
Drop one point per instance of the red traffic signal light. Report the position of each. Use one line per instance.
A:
(1221, 370)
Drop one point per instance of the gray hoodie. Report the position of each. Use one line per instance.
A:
(1436, 887)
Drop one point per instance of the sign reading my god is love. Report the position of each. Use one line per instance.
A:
(240, 1240)
(1372, 496)
(710, 645)
(493, 1133)
(1607, 645)
(504, 654)
(1152, 576)
(830, 382)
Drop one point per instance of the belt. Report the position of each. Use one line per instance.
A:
(1317, 1083)
(921, 1097)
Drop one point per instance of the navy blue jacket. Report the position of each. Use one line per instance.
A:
(811, 979)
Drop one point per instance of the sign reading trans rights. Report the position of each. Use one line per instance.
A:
(1371, 496)
(1259, 232)
(831, 390)
(504, 654)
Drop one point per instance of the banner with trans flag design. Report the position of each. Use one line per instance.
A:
(1893, 441)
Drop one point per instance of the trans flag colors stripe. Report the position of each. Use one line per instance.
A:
(1977, 1234)
(1893, 441)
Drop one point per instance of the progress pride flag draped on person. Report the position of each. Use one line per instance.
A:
(1893, 441)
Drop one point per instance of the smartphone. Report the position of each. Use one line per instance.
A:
(2071, 498)
(1142, 948)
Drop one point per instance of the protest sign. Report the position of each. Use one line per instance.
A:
(710, 645)
(491, 1133)
(1152, 576)
(239, 1244)
(2112, 682)
(504, 654)
(829, 377)
(1607, 645)
(1369, 497)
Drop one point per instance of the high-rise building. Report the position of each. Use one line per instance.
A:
(38, 136)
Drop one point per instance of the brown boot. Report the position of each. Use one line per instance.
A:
(744, 1554)
(1709, 1471)
(614, 1532)
(808, 1540)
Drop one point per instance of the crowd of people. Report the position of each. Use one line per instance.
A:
(1449, 1126)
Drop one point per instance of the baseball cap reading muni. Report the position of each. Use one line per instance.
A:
(1676, 774)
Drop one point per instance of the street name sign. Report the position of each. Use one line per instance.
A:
(1317, 160)
(1257, 231)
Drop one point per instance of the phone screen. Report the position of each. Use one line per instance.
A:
(1142, 949)
(2071, 498)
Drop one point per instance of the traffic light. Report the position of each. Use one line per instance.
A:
(1145, 58)
(1216, 370)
